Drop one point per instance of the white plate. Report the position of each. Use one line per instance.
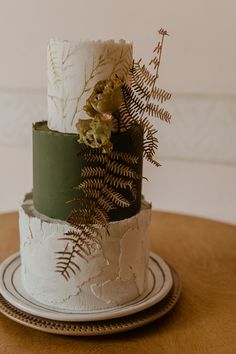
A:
(159, 284)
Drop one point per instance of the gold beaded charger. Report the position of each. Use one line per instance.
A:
(92, 328)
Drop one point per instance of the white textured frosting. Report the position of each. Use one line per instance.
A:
(74, 69)
(113, 275)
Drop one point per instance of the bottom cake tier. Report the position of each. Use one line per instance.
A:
(114, 274)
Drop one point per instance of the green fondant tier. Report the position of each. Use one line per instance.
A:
(57, 170)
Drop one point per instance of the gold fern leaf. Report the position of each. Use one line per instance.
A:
(160, 95)
(119, 182)
(163, 32)
(155, 110)
(116, 197)
(100, 217)
(121, 169)
(125, 156)
(142, 75)
(96, 156)
(112, 184)
(90, 183)
(92, 193)
(77, 217)
(106, 203)
(150, 143)
(92, 171)
(158, 48)
(135, 104)
(156, 62)
(83, 244)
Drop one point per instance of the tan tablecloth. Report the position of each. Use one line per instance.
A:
(203, 252)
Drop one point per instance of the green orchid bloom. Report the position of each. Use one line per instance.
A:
(96, 132)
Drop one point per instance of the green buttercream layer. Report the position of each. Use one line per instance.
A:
(57, 169)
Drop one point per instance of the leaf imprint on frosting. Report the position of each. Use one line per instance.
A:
(54, 66)
(122, 64)
(97, 65)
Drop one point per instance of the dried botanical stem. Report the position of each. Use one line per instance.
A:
(102, 60)
(163, 34)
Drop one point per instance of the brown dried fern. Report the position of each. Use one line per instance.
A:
(83, 244)
(156, 111)
(137, 101)
(105, 187)
(102, 192)
(117, 198)
(160, 95)
(121, 169)
(92, 171)
(119, 182)
(125, 156)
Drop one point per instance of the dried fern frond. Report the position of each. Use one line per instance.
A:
(92, 193)
(155, 110)
(160, 95)
(96, 156)
(142, 76)
(92, 172)
(78, 217)
(163, 32)
(119, 182)
(100, 195)
(83, 244)
(113, 183)
(127, 115)
(125, 156)
(155, 61)
(158, 48)
(106, 204)
(150, 142)
(137, 101)
(96, 183)
(83, 203)
(117, 197)
(100, 217)
(121, 169)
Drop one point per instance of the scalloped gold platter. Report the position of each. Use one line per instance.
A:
(159, 284)
(94, 328)
(161, 296)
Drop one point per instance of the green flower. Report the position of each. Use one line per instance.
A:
(106, 97)
(96, 132)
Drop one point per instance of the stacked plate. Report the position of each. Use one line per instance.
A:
(161, 295)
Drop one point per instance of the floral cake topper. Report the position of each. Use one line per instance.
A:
(103, 106)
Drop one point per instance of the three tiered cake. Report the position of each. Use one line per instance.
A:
(84, 229)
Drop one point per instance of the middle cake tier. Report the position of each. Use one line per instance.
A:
(58, 170)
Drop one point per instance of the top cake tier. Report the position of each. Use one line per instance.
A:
(74, 69)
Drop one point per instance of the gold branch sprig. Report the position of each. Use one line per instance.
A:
(97, 65)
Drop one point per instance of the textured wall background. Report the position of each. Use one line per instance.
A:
(199, 55)
(203, 127)
(198, 149)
